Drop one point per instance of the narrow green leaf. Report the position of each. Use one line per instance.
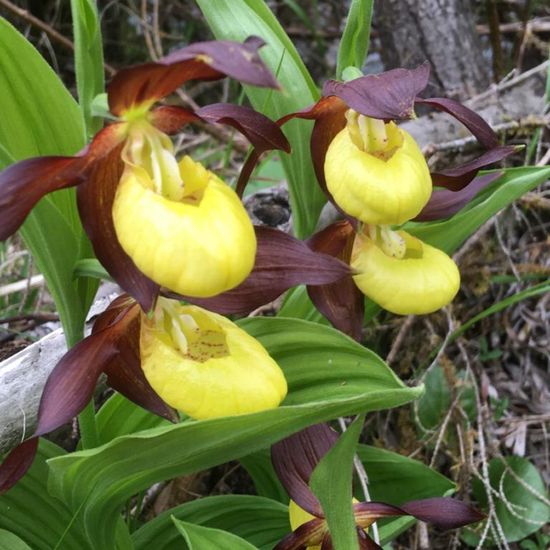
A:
(354, 44)
(9, 541)
(39, 117)
(88, 56)
(535, 290)
(236, 21)
(331, 482)
(90, 267)
(450, 234)
(200, 538)
(329, 375)
(260, 521)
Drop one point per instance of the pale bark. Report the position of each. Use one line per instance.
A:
(442, 32)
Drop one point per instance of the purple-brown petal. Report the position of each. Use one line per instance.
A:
(211, 60)
(281, 263)
(342, 303)
(261, 131)
(327, 542)
(445, 513)
(171, 118)
(23, 184)
(444, 203)
(299, 539)
(95, 203)
(475, 123)
(125, 375)
(17, 463)
(457, 178)
(71, 384)
(294, 459)
(389, 96)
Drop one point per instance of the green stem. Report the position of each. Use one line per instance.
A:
(88, 427)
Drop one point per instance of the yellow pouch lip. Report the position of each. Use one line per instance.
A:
(244, 381)
(415, 284)
(374, 190)
(198, 247)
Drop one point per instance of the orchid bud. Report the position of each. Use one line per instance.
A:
(182, 226)
(401, 273)
(376, 172)
(206, 366)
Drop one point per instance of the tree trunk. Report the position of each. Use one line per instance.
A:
(440, 31)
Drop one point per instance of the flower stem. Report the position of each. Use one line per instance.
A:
(88, 426)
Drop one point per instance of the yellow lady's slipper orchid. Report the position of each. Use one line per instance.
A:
(376, 172)
(182, 226)
(206, 366)
(401, 273)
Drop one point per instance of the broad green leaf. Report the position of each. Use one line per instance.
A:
(9, 541)
(233, 20)
(354, 44)
(88, 58)
(200, 538)
(450, 234)
(329, 375)
(520, 505)
(118, 416)
(331, 481)
(260, 521)
(434, 404)
(39, 117)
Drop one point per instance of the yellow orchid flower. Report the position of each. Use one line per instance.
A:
(401, 273)
(206, 366)
(376, 172)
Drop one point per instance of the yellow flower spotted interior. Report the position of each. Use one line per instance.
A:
(376, 172)
(182, 226)
(206, 366)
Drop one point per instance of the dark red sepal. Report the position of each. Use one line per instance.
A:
(475, 123)
(327, 542)
(444, 203)
(294, 459)
(282, 262)
(17, 463)
(124, 372)
(457, 178)
(211, 60)
(389, 96)
(366, 543)
(342, 303)
(95, 203)
(299, 539)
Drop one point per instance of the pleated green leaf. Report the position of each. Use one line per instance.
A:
(260, 521)
(198, 537)
(233, 20)
(39, 117)
(9, 541)
(329, 375)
